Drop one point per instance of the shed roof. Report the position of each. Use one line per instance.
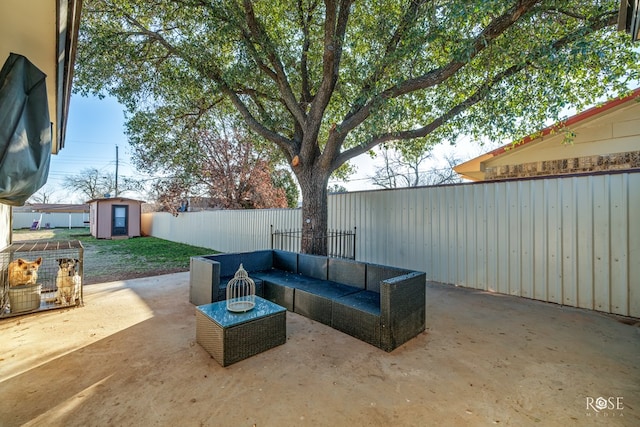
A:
(111, 199)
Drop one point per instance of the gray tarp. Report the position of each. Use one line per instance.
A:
(25, 130)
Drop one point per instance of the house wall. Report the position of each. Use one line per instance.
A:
(25, 37)
(589, 150)
(93, 223)
(573, 241)
(5, 226)
(103, 220)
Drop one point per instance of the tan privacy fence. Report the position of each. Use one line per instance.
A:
(573, 240)
(223, 230)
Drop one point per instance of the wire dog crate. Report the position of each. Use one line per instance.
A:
(39, 275)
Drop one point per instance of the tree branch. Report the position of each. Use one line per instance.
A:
(480, 93)
(152, 35)
(199, 113)
(407, 19)
(335, 28)
(336, 139)
(215, 74)
(285, 144)
(261, 37)
(305, 22)
(497, 26)
(334, 33)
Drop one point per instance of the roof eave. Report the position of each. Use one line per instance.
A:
(68, 22)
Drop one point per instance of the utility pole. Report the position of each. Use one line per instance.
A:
(116, 171)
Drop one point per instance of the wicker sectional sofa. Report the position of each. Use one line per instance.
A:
(381, 305)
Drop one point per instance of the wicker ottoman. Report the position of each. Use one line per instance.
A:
(230, 337)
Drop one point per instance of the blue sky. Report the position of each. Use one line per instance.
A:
(94, 128)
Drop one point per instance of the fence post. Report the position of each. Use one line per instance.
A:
(354, 242)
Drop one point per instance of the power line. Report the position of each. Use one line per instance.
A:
(85, 141)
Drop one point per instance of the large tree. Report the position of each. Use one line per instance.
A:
(326, 81)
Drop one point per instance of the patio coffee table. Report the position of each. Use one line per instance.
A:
(230, 337)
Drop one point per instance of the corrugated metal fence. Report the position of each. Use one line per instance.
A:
(573, 240)
(225, 231)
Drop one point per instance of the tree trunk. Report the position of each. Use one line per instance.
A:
(313, 183)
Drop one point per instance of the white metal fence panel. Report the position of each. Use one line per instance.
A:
(53, 219)
(572, 241)
(634, 245)
(224, 230)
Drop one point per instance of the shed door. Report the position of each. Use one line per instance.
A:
(120, 216)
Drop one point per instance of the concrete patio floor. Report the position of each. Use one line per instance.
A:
(129, 358)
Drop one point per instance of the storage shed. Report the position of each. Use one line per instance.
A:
(114, 218)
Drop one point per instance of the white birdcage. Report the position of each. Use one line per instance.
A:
(241, 292)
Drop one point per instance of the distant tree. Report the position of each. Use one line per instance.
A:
(91, 183)
(443, 174)
(170, 194)
(336, 188)
(236, 174)
(46, 194)
(282, 179)
(342, 174)
(221, 162)
(399, 171)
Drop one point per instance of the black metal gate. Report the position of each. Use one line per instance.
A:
(340, 243)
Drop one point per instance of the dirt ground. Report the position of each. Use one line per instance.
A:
(128, 357)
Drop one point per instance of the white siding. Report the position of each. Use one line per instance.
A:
(5, 225)
(572, 241)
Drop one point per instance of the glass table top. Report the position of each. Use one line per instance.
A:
(218, 312)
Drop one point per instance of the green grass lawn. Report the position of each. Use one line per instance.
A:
(106, 260)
